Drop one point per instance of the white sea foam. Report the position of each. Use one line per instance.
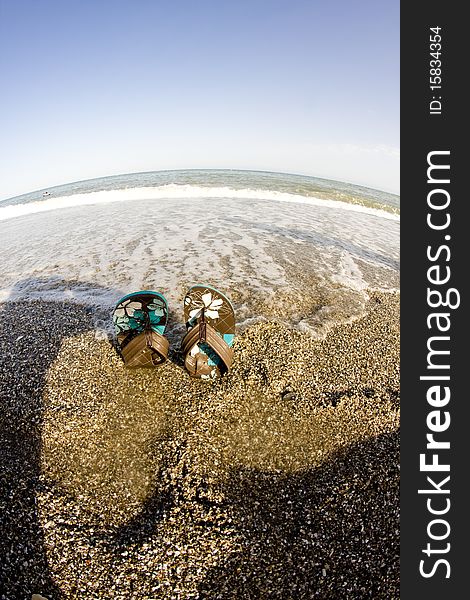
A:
(305, 260)
(178, 191)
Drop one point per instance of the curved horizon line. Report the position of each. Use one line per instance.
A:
(296, 174)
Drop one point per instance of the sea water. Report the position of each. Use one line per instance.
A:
(296, 249)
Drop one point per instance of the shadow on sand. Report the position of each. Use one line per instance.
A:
(329, 533)
(31, 335)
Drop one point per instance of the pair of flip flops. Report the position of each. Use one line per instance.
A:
(140, 320)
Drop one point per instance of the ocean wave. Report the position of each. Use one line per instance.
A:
(179, 191)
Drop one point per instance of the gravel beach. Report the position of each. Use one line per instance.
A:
(281, 480)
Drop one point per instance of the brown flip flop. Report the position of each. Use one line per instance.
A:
(210, 321)
(139, 321)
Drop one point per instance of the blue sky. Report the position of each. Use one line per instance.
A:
(99, 87)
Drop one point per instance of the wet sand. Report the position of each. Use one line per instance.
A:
(281, 480)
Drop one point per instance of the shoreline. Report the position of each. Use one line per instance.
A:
(281, 478)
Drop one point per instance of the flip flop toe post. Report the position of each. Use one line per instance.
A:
(210, 324)
(139, 321)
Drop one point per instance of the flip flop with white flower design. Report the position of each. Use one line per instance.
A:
(210, 321)
(139, 321)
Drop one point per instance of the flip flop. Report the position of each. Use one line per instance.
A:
(139, 321)
(210, 321)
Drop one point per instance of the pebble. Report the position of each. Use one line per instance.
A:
(280, 480)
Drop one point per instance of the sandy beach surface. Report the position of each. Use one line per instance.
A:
(280, 480)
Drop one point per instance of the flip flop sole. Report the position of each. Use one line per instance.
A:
(138, 312)
(220, 316)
